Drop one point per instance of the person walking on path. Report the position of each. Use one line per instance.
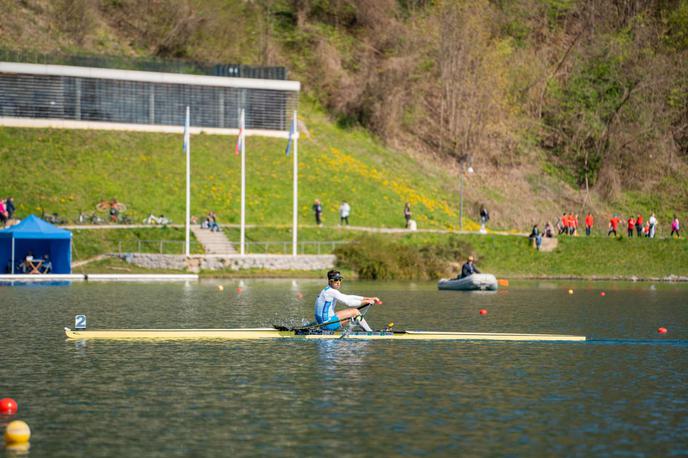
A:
(484, 218)
(317, 210)
(653, 225)
(639, 225)
(407, 214)
(344, 212)
(675, 227)
(588, 224)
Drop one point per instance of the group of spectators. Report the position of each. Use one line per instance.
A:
(636, 226)
(344, 212)
(6, 210)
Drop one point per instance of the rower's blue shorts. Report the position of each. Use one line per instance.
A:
(333, 326)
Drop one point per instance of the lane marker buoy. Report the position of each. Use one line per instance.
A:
(603, 294)
(17, 432)
(483, 312)
(8, 406)
(662, 330)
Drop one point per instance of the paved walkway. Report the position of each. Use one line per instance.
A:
(384, 230)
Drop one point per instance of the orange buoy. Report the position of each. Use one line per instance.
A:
(483, 312)
(503, 282)
(8, 406)
(239, 290)
(662, 330)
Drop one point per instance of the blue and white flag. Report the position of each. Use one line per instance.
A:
(187, 133)
(292, 130)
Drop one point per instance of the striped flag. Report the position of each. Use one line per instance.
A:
(240, 138)
(291, 136)
(187, 133)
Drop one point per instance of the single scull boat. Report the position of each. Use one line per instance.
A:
(273, 333)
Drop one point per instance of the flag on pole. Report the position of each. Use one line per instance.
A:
(240, 139)
(292, 129)
(187, 133)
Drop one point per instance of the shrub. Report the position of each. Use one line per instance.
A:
(374, 257)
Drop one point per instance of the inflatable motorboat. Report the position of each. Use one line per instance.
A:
(471, 283)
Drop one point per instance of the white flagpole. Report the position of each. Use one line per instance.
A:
(243, 180)
(188, 178)
(296, 186)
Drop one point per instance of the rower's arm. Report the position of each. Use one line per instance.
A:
(348, 299)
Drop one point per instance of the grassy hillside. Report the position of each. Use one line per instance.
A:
(70, 171)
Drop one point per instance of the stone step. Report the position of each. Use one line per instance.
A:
(213, 242)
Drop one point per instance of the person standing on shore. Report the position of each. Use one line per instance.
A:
(630, 226)
(407, 214)
(344, 212)
(653, 225)
(317, 211)
(639, 225)
(588, 224)
(614, 226)
(675, 227)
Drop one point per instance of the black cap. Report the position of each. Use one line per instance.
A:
(334, 275)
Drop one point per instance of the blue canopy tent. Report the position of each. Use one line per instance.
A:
(40, 238)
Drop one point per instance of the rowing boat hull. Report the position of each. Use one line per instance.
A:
(471, 283)
(270, 333)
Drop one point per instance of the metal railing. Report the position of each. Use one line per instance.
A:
(148, 64)
(178, 247)
(157, 246)
(318, 247)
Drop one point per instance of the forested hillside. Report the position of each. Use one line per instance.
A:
(556, 104)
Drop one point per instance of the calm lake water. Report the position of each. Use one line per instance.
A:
(623, 394)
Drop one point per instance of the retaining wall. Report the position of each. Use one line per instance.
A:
(230, 262)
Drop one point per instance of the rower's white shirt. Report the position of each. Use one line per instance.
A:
(328, 298)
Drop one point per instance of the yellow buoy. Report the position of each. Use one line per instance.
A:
(17, 432)
(570, 291)
(220, 287)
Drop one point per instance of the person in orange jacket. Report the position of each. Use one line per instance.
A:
(588, 224)
(630, 226)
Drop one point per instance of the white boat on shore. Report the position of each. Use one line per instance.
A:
(471, 283)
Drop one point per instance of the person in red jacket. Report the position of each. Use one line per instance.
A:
(630, 226)
(639, 225)
(614, 226)
(588, 224)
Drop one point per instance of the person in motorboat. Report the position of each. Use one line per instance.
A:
(328, 298)
(468, 268)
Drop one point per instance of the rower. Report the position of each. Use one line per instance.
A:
(328, 298)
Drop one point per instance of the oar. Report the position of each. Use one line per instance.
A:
(317, 325)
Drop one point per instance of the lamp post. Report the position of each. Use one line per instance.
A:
(464, 170)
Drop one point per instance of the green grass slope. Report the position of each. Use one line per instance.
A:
(70, 171)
